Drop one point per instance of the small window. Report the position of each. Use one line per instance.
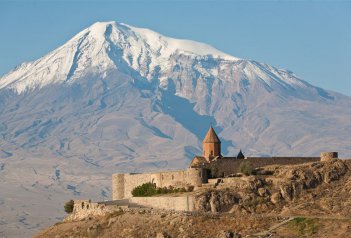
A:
(172, 177)
(82, 205)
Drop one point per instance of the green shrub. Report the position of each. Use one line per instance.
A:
(246, 168)
(145, 190)
(69, 206)
(305, 227)
(149, 189)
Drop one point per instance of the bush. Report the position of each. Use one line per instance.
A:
(246, 168)
(149, 189)
(145, 190)
(305, 227)
(69, 206)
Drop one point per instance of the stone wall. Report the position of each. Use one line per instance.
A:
(85, 208)
(123, 184)
(327, 156)
(186, 203)
(118, 186)
(133, 180)
(227, 166)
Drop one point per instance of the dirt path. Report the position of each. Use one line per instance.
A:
(268, 232)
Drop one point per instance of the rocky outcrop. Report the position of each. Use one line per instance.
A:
(216, 201)
(259, 193)
(297, 179)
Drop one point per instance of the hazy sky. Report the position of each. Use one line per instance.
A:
(311, 38)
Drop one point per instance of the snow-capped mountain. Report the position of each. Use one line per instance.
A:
(121, 98)
(105, 46)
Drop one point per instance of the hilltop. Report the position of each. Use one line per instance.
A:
(313, 200)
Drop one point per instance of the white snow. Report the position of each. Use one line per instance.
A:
(141, 48)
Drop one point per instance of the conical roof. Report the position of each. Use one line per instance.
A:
(240, 155)
(211, 137)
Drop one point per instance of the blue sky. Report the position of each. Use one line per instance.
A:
(311, 38)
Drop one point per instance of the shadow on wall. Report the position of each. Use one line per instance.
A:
(183, 112)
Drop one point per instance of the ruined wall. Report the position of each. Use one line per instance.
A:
(85, 208)
(227, 166)
(123, 184)
(186, 203)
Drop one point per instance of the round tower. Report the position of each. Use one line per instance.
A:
(197, 176)
(117, 186)
(327, 156)
(211, 145)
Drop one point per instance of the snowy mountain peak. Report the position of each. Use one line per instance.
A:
(103, 46)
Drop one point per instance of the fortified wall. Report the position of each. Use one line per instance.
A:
(86, 208)
(210, 164)
(227, 166)
(123, 184)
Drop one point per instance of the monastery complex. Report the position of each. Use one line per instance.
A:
(209, 170)
(210, 165)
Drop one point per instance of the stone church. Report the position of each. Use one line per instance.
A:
(211, 150)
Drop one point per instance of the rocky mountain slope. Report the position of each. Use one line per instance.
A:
(119, 98)
(311, 200)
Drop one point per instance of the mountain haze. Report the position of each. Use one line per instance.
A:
(119, 98)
